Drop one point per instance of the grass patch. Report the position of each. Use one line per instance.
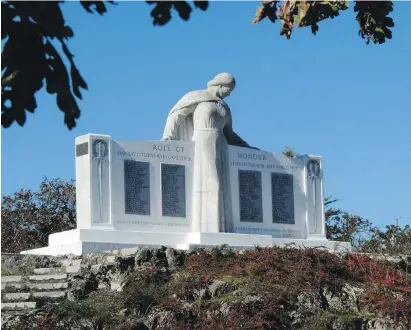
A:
(97, 310)
(236, 280)
(227, 297)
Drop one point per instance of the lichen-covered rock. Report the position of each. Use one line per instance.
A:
(143, 255)
(175, 258)
(352, 324)
(348, 299)
(252, 300)
(218, 287)
(125, 264)
(202, 293)
(9, 322)
(117, 281)
(225, 309)
(82, 284)
(308, 301)
(157, 257)
(384, 324)
(160, 319)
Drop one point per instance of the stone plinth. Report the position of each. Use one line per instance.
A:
(141, 193)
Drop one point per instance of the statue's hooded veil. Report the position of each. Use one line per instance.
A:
(186, 128)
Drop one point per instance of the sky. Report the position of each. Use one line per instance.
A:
(330, 95)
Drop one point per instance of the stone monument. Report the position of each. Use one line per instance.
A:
(200, 185)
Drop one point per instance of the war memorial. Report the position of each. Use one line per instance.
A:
(199, 185)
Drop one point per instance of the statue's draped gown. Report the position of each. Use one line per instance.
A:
(212, 201)
(201, 117)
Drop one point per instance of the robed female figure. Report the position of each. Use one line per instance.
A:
(205, 118)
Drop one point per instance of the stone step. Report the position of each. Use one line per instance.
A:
(70, 262)
(57, 270)
(18, 305)
(48, 277)
(16, 312)
(47, 271)
(10, 285)
(40, 278)
(6, 279)
(26, 296)
(48, 286)
(73, 269)
(49, 294)
(22, 296)
(34, 286)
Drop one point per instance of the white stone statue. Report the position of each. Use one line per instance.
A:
(202, 116)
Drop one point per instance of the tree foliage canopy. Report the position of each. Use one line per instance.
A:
(28, 218)
(31, 61)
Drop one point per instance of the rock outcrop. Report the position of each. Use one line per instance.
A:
(163, 288)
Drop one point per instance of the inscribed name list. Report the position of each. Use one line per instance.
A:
(251, 205)
(173, 190)
(282, 194)
(137, 187)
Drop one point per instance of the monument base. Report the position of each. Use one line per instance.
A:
(82, 241)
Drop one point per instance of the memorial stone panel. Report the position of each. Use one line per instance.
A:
(173, 190)
(81, 149)
(137, 187)
(282, 194)
(251, 205)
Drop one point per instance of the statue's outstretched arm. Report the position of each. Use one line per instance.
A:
(174, 120)
(232, 137)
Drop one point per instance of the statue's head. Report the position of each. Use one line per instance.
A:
(223, 84)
